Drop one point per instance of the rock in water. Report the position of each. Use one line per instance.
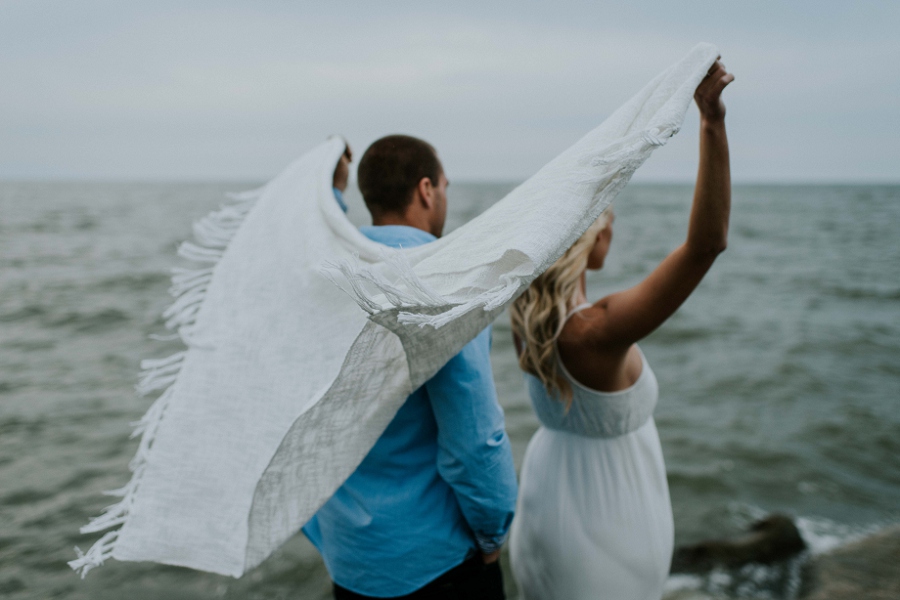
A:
(769, 540)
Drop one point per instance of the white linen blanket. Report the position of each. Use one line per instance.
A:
(289, 379)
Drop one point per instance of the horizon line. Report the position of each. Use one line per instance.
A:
(465, 181)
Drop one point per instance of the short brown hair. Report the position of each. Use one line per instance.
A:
(391, 169)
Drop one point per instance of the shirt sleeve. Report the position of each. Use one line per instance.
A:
(474, 454)
(339, 196)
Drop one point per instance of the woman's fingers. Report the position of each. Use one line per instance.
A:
(717, 71)
(709, 92)
(721, 82)
(715, 81)
(715, 68)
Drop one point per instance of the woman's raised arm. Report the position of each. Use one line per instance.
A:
(632, 314)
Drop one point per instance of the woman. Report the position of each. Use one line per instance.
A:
(593, 517)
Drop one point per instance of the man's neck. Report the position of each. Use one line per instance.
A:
(407, 220)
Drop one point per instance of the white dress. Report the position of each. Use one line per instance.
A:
(593, 518)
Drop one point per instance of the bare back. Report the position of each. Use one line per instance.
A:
(612, 370)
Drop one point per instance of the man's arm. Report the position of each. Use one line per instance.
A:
(474, 454)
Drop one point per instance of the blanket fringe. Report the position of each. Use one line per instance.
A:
(96, 555)
(487, 301)
(213, 233)
(362, 280)
(359, 281)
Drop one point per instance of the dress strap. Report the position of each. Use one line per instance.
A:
(579, 308)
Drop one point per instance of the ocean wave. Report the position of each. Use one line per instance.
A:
(9, 386)
(85, 322)
(822, 287)
(676, 335)
(133, 282)
(699, 482)
(29, 311)
(26, 496)
(82, 321)
(31, 345)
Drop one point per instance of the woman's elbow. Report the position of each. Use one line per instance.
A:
(706, 251)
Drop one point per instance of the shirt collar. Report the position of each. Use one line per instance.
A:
(397, 235)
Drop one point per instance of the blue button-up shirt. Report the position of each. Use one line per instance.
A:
(438, 485)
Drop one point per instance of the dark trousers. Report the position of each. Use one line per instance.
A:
(472, 580)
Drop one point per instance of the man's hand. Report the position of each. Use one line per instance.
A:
(342, 170)
(709, 93)
(491, 558)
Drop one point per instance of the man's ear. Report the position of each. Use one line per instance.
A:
(426, 192)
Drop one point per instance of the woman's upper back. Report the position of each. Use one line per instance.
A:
(589, 357)
(594, 413)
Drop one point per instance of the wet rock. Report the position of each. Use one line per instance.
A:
(769, 540)
(867, 569)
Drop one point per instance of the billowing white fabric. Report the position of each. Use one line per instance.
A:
(286, 383)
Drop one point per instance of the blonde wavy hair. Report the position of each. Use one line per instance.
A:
(539, 314)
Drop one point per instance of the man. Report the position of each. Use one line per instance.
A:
(425, 514)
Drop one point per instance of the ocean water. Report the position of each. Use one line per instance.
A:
(779, 378)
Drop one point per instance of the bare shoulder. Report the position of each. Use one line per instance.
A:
(587, 329)
(589, 355)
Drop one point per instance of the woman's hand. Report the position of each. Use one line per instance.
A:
(708, 95)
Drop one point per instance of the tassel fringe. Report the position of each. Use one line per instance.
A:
(213, 233)
(96, 555)
(359, 281)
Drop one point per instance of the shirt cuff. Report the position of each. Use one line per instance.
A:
(339, 196)
(489, 545)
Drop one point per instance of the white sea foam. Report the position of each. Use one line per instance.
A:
(823, 535)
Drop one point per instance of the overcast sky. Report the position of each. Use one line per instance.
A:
(235, 90)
